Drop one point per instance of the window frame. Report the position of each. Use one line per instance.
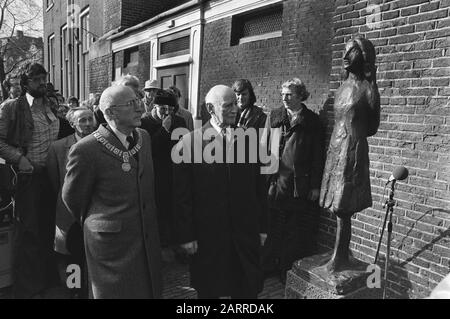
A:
(65, 61)
(171, 37)
(50, 5)
(51, 52)
(238, 25)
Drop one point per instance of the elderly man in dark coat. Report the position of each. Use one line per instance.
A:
(221, 217)
(109, 188)
(68, 241)
(295, 188)
(160, 123)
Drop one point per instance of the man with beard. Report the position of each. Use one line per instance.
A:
(221, 216)
(68, 240)
(28, 127)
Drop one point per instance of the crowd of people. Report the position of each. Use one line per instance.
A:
(95, 186)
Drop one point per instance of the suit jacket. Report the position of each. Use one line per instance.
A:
(223, 207)
(118, 213)
(162, 146)
(56, 168)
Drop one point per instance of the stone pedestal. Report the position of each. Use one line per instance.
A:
(307, 280)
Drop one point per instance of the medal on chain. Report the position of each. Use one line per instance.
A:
(126, 166)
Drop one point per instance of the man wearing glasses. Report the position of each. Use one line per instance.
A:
(28, 126)
(109, 189)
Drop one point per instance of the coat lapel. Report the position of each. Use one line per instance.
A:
(70, 140)
(140, 140)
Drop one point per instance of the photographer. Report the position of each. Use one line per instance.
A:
(160, 124)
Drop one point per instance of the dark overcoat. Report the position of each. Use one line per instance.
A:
(162, 144)
(301, 157)
(223, 207)
(252, 116)
(118, 213)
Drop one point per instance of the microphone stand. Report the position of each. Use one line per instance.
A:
(390, 203)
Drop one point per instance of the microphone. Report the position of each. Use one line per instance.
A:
(400, 173)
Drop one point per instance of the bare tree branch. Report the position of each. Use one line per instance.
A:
(20, 61)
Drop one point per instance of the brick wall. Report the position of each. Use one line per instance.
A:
(56, 17)
(113, 14)
(135, 12)
(268, 63)
(127, 13)
(412, 39)
(100, 72)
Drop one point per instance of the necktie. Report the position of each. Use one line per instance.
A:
(132, 143)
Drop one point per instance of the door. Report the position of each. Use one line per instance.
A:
(179, 77)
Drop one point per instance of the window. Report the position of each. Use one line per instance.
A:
(257, 25)
(175, 44)
(51, 57)
(49, 4)
(65, 84)
(86, 41)
(131, 57)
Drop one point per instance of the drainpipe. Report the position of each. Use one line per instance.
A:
(202, 32)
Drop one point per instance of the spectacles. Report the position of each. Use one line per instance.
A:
(134, 103)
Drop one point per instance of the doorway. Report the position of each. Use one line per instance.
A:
(179, 77)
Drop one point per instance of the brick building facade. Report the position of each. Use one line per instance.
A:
(209, 42)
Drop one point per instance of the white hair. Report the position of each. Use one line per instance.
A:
(70, 116)
(126, 80)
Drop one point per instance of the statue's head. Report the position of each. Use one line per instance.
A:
(359, 58)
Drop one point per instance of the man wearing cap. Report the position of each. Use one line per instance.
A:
(221, 213)
(109, 189)
(151, 88)
(28, 127)
(182, 112)
(160, 124)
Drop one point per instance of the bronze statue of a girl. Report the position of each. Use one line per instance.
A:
(345, 186)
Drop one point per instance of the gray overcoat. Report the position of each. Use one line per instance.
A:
(118, 212)
(56, 168)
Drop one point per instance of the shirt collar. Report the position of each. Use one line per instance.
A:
(77, 137)
(30, 99)
(122, 137)
(214, 124)
(294, 115)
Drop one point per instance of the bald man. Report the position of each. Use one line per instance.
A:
(221, 212)
(109, 189)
